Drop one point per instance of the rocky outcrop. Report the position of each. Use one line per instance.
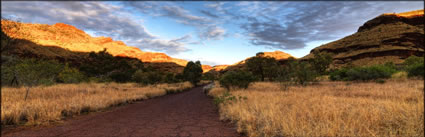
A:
(73, 39)
(386, 38)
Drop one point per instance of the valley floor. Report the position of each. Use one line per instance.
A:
(394, 108)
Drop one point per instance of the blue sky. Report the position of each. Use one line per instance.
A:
(212, 32)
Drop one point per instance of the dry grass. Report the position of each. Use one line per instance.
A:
(47, 104)
(395, 108)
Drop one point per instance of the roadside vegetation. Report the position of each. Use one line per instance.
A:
(306, 98)
(395, 108)
(52, 103)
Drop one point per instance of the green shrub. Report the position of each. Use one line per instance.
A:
(416, 70)
(120, 76)
(146, 78)
(414, 66)
(364, 73)
(339, 74)
(412, 60)
(304, 73)
(70, 75)
(238, 79)
(227, 98)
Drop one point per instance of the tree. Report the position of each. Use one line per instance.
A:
(70, 75)
(303, 72)
(321, 62)
(146, 77)
(262, 67)
(211, 75)
(239, 79)
(193, 72)
(31, 72)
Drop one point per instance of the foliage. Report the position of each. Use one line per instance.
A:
(416, 70)
(321, 62)
(364, 73)
(105, 66)
(32, 72)
(412, 60)
(339, 74)
(146, 78)
(210, 75)
(227, 98)
(121, 76)
(262, 67)
(239, 79)
(303, 72)
(193, 72)
(70, 75)
(414, 66)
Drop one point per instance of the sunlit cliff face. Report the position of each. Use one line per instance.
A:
(408, 14)
(73, 39)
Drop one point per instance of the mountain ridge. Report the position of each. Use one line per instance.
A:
(69, 37)
(388, 37)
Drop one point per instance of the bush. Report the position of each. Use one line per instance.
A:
(70, 75)
(364, 73)
(146, 78)
(321, 62)
(416, 70)
(412, 60)
(414, 66)
(339, 74)
(239, 79)
(303, 72)
(120, 76)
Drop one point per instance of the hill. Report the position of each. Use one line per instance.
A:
(278, 55)
(388, 37)
(70, 38)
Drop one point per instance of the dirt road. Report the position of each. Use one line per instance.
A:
(190, 113)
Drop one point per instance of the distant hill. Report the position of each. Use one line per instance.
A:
(278, 55)
(70, 38)
(388, 37)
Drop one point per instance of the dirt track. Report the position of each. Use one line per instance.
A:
(190, 113)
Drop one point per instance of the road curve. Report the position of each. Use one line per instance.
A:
(187, 114)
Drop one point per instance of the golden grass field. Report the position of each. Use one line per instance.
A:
(395, 108)
(52, 103)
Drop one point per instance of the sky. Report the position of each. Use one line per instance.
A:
(213, 32)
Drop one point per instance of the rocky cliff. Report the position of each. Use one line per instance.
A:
(387, 38)
(73, 39)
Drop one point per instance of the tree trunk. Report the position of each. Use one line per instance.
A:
(28, 91)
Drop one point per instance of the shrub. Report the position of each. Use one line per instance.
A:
(146, 78)
(399, 75)
(70, 75)
(412, 60)
(416, 70)
(364, 73)
(339, 74)
(414, 66)
(239, 79)
(321, 62)
(120, 76)
(304, 73)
